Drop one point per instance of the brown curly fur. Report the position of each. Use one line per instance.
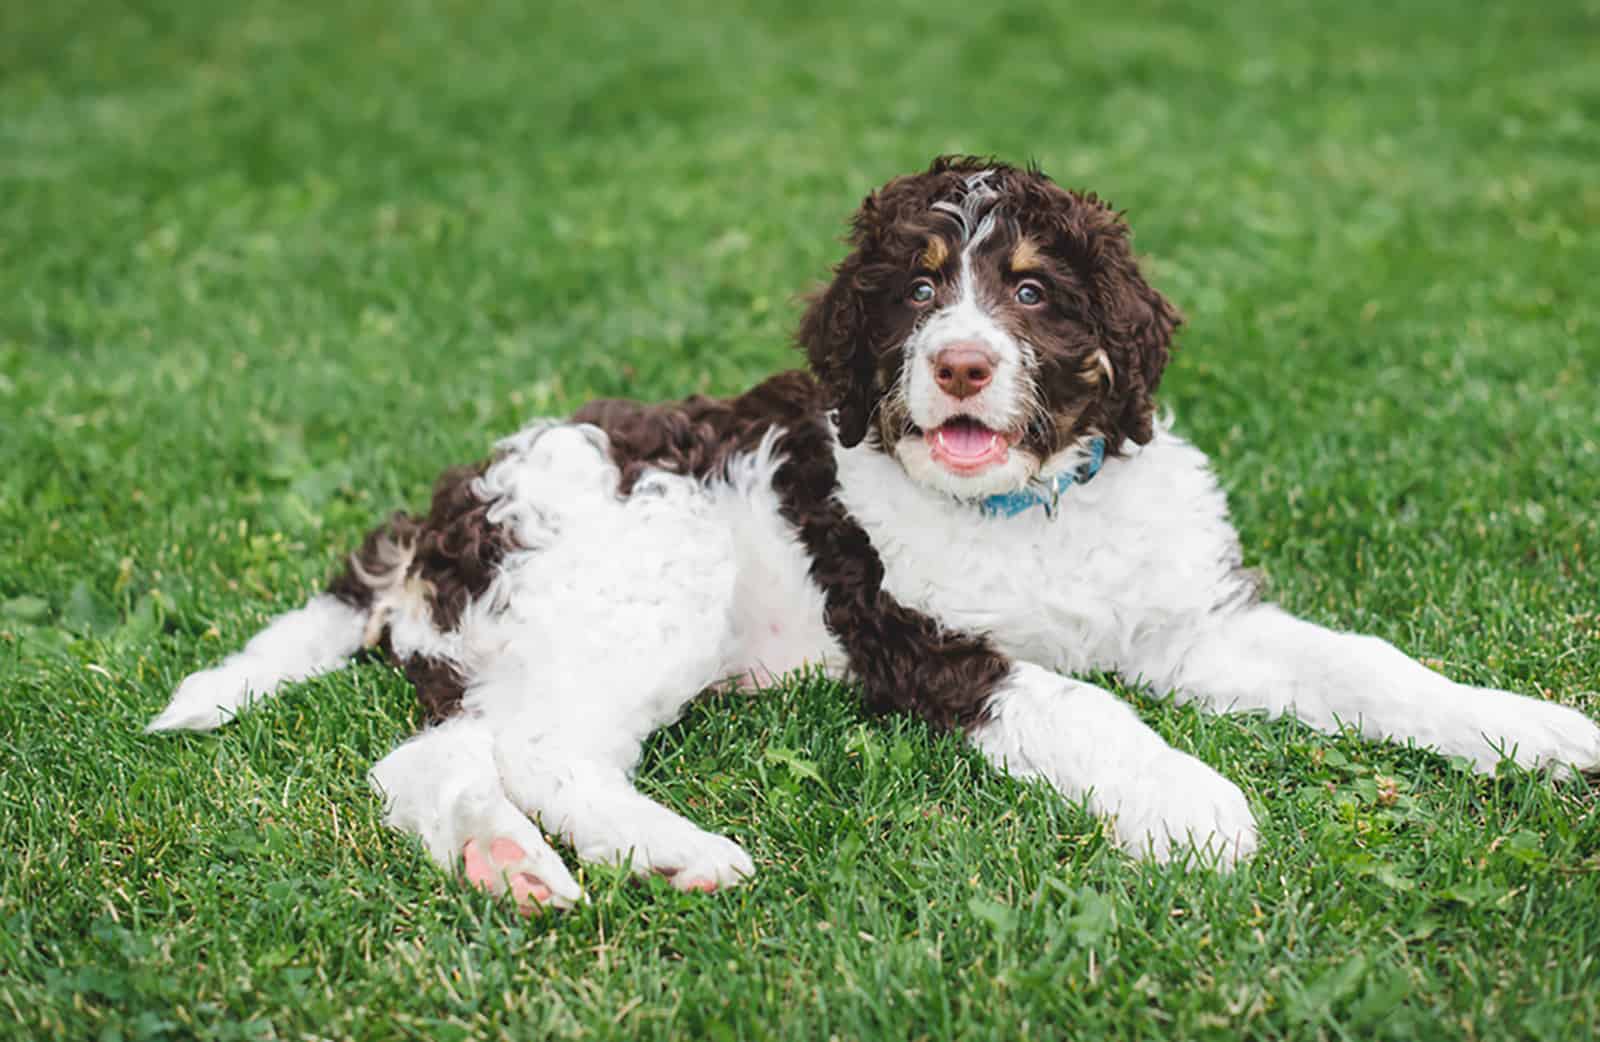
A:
(853, 329)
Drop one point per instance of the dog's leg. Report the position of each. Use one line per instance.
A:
(614, 617)
(442, 787)
(590, 803)
(300, 644)
(1262, 659)
(1090, 745)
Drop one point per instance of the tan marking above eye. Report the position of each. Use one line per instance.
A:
(936, 253)
(1026, 256)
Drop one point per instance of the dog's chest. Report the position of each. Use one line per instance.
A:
(1074, 591)
(1037, 592)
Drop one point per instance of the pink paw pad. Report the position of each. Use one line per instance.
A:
(483, 872)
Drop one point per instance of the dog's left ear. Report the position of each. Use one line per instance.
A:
(1137, 327)
(1134, 323)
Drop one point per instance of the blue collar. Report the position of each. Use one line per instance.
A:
(1046, 493)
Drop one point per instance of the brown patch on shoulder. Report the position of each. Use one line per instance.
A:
(906, 661)
(699, 435)
(936, 253)
(1026, 256)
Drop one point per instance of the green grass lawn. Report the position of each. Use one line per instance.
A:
(265, 269)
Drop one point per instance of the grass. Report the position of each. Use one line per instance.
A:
(268, 268)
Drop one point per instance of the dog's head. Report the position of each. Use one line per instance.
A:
(986, 324)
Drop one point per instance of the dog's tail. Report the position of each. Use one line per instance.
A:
(307, 642)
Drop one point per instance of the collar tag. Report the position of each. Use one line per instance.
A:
(1046, 494)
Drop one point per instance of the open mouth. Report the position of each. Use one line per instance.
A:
(962, 445)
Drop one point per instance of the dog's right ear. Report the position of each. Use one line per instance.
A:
(833, 332)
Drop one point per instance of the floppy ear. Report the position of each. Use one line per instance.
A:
(834, 334)
(1137, 326)
(1132, 321)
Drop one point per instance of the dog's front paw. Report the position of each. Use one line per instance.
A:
(1161, 803)
(1532, 733)
(716, 862)
(1188, 814)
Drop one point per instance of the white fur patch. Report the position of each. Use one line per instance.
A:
(296, 645)
(778, 609)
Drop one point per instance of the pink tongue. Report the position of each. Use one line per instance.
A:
(965, 440)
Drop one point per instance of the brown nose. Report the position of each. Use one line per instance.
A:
(963, 369)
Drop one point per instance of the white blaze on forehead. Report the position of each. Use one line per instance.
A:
(976, 202)
(1002, 405)
(977, 214)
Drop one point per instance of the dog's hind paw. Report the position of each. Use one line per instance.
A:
(690, 858)
(517, 861)
(507, 868)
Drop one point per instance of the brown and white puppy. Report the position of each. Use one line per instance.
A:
(968, 500)
(1021, 329)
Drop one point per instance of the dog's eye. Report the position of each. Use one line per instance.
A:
(921, 291)
(1030, 294)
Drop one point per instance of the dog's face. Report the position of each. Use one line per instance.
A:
(986, 324)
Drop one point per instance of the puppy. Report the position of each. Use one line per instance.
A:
(967, 500)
